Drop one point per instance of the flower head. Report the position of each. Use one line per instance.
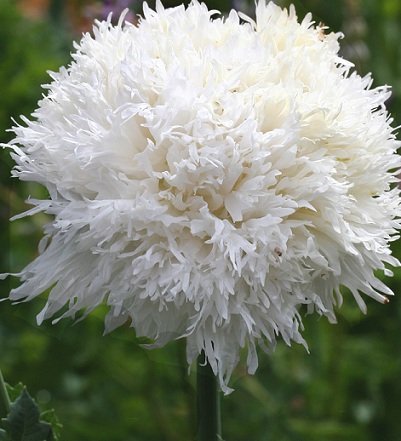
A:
(210, 178)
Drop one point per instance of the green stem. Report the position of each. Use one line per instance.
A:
(4, 398)
(208, 403)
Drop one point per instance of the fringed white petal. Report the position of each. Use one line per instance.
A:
(207, 177)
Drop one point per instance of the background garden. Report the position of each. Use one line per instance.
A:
(108, 388)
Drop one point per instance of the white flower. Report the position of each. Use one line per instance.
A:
(208, 177)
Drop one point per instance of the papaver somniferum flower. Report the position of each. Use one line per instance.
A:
(208, 177)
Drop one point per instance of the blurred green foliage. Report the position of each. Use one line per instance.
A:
(108, 388)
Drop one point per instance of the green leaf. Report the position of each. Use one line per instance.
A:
(14, 391)
(23, 424)
(50, 417)
(3, 435)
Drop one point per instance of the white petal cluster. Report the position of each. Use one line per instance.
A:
(209, 176)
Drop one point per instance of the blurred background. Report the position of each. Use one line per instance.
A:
(107, 388)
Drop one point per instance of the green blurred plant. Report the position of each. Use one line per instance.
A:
(109, 388)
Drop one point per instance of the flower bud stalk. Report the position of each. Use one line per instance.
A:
(208, 402)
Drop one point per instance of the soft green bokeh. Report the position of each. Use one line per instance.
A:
(108, 388)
